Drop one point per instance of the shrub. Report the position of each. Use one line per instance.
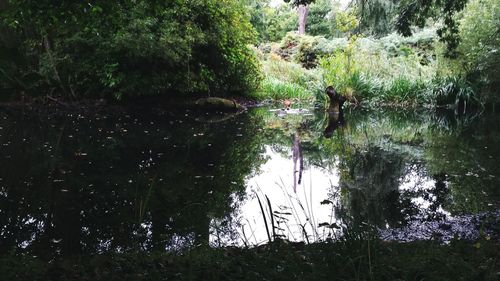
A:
(288, 45)
(306, 54)
(337, 72)
(454, 92)
(479, 48)
(276, 89)
(135, 47)
(306, 50)
(285, 79)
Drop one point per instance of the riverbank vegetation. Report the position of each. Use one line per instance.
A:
(131, 48)
(380, 52)
(356, 260)
(362, 55)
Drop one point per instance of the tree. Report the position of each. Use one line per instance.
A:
(376, 16)
(303, 10)
(478, 50)
(258, 16)
(271, 23)
(415, 13)
(131, 47)
(296, 3)
(321, 18)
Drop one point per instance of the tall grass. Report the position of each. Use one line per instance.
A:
(393, 70)
(455, 92)
(276, 89)
(287, 80)
(404, 80)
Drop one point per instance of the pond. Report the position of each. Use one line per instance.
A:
(78, 182)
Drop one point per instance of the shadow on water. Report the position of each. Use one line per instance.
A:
(144, 180)
(121, 181)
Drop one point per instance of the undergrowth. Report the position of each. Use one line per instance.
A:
(288, 80)
(280, 260)
(391, 71)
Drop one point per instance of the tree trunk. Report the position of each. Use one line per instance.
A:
(303, 11)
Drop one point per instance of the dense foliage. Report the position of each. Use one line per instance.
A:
(478, 51)
(434, 66)
(417, 12)
(125, 48)
(378, 15)
(271, 23)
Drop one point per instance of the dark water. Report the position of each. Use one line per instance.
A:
(141, 180)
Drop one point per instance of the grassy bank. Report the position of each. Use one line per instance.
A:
(287, 80)
(391, 71)
(357, 260)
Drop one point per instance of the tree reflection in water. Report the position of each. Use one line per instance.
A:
(118, 181)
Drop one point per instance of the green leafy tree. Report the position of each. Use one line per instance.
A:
(131, 47)
(281, 20)
(258, 16)
(320, 19)
(296, 3)
(417, 12)
(376, 16)
(479, 47)
(271, 24)
(412, 13)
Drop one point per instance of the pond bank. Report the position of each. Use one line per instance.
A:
(42, 103)
(348, 260)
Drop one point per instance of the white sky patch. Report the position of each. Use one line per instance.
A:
(304, 208)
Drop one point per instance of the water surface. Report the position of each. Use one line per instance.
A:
(127, 180)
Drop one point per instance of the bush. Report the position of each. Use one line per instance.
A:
(288, 46)
(479, 47)
(135, 47)
(285, 79)
(306, 53)
(306, 50)
(454, 92)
